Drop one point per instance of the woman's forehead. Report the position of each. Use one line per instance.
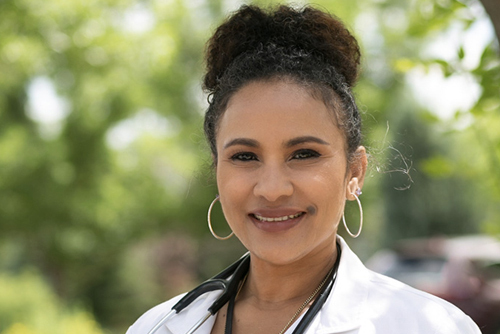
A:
(276, 110)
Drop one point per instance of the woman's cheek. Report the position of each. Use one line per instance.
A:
(232, 188)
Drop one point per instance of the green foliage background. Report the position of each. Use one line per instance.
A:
(103, 208)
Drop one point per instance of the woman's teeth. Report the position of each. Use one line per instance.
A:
(278, 219)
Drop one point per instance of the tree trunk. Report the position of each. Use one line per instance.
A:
(492, 7)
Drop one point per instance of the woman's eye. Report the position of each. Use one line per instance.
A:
(305, 154)
(244, 156)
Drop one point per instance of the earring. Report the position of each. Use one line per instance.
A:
(210, 221)
(356, 194)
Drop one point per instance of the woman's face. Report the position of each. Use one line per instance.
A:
(282, 171)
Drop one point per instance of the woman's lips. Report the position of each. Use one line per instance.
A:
(276, 221)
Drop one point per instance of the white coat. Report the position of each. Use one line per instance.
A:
(361, 302)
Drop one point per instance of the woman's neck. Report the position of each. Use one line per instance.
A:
(272, 284)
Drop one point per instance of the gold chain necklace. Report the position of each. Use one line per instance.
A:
(306, 302)
(302, 307)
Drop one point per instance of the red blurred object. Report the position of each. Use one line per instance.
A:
(462, 270)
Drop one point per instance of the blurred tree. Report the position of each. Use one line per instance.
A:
(108, 152)
(427, 154)
(493, 10)
(102, 156)
(29, 306)
(424, 196)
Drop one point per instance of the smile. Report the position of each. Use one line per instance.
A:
(278, 219)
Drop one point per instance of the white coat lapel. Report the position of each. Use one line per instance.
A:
(345, 308)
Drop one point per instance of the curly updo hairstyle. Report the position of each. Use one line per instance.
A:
(308, 46)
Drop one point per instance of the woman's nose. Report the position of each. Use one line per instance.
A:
(273, 183)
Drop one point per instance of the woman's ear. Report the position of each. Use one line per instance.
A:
(358, 165)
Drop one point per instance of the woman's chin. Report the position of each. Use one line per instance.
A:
(294, 249)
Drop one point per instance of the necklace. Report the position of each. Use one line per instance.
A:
(230, 308)
(306, 302)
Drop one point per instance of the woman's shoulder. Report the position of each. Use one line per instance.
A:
(182, 321)
(415, 308)
(149, 319)
(387, 305)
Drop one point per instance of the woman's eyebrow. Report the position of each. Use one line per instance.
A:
(243, 142)
(305, 139)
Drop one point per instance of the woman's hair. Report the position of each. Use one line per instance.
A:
(306, 46)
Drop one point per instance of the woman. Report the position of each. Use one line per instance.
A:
(284, 132)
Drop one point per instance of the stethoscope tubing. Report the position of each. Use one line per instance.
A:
(228, 281)
(162, 321)
(220, 281)
(199, 323)
(321, 299)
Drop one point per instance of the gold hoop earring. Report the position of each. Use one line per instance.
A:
(210, 221)
(360, 219)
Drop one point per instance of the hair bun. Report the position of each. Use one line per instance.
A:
(308, 29)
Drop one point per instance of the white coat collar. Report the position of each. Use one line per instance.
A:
(343, 310)
(186, 319)
(346, 306)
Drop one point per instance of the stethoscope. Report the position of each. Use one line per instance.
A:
(228, 281)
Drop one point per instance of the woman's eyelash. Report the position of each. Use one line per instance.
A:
(305, 154)
(244, 156)
(299, 155)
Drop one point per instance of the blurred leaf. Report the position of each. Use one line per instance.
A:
(437, 167)
(461, 53)
(404, 65)
(28, 306)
